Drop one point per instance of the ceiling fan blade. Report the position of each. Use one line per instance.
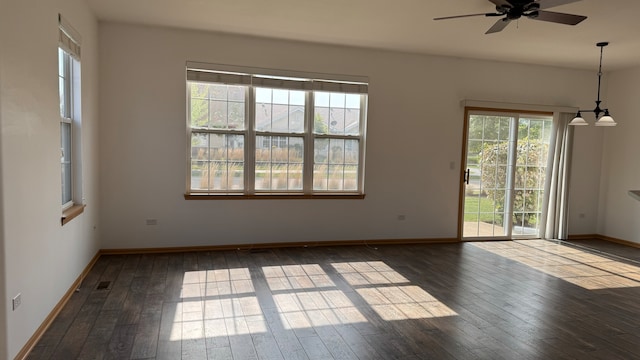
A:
(498, 26)
(464, 16)
(560, 18)
(546, 4)
(501, 2)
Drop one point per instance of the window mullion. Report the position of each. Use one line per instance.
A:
(510, 176)
(307, 185)
(188, 144)
(337, 136)
(250, 143)
(278, 135)
(361, 142)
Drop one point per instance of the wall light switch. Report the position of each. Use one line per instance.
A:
(16, 301)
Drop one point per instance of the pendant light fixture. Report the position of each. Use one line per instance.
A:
(605, 119)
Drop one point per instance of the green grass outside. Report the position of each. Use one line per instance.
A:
(485, 212)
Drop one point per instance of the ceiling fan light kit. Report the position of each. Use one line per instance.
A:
(605, 119)
(510, 10)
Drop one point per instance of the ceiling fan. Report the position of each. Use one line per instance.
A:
(533, 9)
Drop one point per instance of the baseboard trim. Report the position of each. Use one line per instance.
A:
(619, 241)
(605, 238)
(26, 349)
(276, 245)
(584, 237)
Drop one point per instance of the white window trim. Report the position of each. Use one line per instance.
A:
(67, 118)
(69, 42)
(271, 78)
(516, 107)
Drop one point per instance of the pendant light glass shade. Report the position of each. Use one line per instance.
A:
(606, 120)
(578, 120)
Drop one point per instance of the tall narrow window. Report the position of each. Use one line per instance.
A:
(65, 88)
(279, 127)
(336, 130)
(257, 134)
(70, 117)
(217, 120)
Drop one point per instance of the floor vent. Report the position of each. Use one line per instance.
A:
(103, 285)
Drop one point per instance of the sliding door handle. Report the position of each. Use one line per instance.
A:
(466, 177)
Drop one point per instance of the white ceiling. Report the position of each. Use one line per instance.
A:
(407, 25)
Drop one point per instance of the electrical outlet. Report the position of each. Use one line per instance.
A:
(152, 221)
(16, 301)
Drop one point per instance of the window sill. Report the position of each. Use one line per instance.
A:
(272, 196)
(71, 213)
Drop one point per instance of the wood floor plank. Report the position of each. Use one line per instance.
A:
(357, 342)
(315, 348)
(221, 353)
(121, 270)
(170, 332)
(99, 336)
(242, 347)
(71, 344)
(336, 345)
(131, 308)
(266, 347)
(145, 343)
(121, 342)
(95, 273)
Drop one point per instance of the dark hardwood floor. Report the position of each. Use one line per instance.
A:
(492, 300)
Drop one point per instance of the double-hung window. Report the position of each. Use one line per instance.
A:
(66, 123)
(70, 113)
(274, 133)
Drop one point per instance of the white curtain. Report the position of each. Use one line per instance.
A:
(554, 219)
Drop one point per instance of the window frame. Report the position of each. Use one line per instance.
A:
(511, 165)
(70, 113)
(251, 133)
(66, 118)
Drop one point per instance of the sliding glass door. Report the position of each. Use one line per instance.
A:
(505, 164)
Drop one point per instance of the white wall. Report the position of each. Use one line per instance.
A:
(41, 258)
(585, 176)
(619, 213)
(414, 132)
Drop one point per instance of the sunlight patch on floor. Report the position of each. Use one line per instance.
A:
(290, 277)
(404, 302)
(305, 296)
(581, 268)
(316, 308)
(197, 319)
(219, 302)
(368, 273)
(377, 283)
(229, 302)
